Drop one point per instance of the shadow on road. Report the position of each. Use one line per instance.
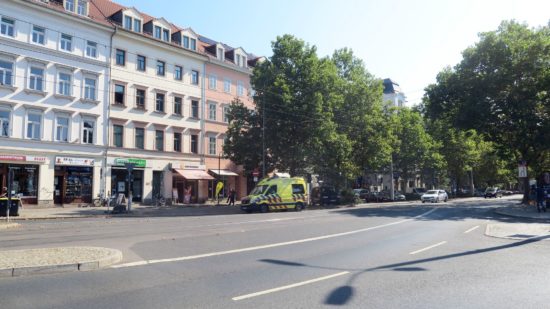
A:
(343, 294)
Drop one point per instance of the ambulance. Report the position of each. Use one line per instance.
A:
(276, 193)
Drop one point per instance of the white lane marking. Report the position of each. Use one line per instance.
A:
(290, 286)
(472, 229)
(293, 242)
(428, 248)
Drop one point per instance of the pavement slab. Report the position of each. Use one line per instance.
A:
(54, 260)
(517, 231)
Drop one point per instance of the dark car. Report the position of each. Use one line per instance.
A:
(493, 192)
(324, 196)
(361, 193)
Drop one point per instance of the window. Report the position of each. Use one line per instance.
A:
(66, 42)
(5, 117)
(34, 122)
(212, 111)
(62, 129)
(38, 34)
(220, 54)
(166, 35)
(271, 190)
(161, 67)
(89, 89)
(240, 88)
(6, 73)
(88, 132)
(140, 138)
(238, 60)
(194, 143)
(212, 145)
(127, 22)
(177, 142)
(91, 49)
(195, 77)
(140, 98)
(185, 41)
(212, 82)
(193, 44)
(119, 94)
(118, 132)
(177, 105)
(69, 5)
(82, 8)
(36, 79)
(178, 72)
(226, 114)
(159, 140)
(6, 27)
(159, 107)
(298, 189)
(157, 32)
(141, 63)
(137, 25)
(64, 84)
(194, 108)
(227, 86)
(120, 57)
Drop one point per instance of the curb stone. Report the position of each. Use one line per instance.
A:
(6, 226)
(114, 256)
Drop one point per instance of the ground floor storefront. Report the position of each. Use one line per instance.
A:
(232, 177)
(49, 179)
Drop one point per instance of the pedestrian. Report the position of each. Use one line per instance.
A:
(4, 192)
(540, 198)
(231, 197)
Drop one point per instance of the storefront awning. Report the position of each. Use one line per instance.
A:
(223, 172)
(194, 174)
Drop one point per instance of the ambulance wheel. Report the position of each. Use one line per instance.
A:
(298, 207)
(264, 208)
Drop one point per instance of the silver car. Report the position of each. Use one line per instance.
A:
(434, 196)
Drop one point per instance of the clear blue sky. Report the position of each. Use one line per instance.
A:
(408, 41)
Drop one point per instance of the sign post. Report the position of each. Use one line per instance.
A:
(130, 167)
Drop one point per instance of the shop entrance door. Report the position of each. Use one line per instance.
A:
(59, 182)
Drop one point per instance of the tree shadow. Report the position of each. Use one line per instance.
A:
(343, 294)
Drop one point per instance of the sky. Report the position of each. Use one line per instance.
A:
(407, 41)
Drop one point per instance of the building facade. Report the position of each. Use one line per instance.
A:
(393, 94)
(228, 73)
(54, 66)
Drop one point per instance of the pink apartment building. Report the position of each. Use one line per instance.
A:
(227, 76)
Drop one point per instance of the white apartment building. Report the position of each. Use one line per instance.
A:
(54, 67)
(393, 94)
(155, 111)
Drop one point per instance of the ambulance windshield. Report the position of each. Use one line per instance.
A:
(258, 190)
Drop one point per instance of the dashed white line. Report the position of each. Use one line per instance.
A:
(290, 286)
(428, 248)
(472, 229)
(293, 242)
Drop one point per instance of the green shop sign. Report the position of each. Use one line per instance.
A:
(137, 162)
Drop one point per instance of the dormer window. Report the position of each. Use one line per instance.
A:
(157, 32)
(166, 35)
(240, 60)
(185, 41)
(132, 23)
(189, 42)
(193, 44)
(79, 7)
(220, 54)
(162, 34)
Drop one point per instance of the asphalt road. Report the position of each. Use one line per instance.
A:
(389, 256)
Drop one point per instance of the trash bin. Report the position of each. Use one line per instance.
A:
(14, 208)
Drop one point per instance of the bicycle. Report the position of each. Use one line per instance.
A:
(159, 201)
(102, 201)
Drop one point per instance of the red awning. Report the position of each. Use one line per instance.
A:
(194, 174)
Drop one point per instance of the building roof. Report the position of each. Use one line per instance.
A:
(390, 86)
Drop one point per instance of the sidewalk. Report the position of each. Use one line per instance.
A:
(523, 211)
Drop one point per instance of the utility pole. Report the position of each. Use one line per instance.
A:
(392, 195)
(263, 138)
(10, 185)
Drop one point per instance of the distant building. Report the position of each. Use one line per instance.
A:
(393, 93)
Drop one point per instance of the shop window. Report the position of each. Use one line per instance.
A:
(25, 180)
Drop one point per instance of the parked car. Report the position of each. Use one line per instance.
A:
(493, 192)
(373, 197)
(361, 193)
(325, 195)
(385, 196)
(417, 193)
(434, 196)
(507, 192)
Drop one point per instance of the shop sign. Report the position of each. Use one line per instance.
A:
(194, 167)
(36, 159)
(74, 161)
(140, 163)
(12, 158)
